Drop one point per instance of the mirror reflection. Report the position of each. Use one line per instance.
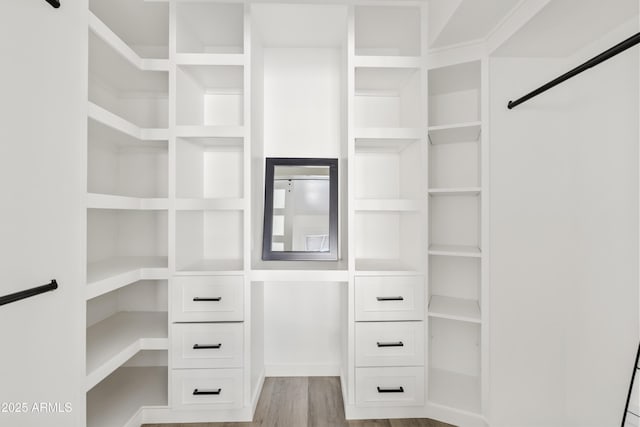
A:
(301, 209)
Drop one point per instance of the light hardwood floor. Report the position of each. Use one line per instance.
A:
(306, 402)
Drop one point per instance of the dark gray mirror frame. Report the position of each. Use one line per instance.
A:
(267, 253)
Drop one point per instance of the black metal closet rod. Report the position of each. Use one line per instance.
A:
(619, 48)
(29, 293)
(54, 3)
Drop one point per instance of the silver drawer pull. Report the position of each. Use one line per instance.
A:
(207, 346)
(390, 298)
(197, 392)
(215, 299)
(390, 390)
(390, 344)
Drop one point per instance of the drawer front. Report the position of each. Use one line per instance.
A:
(390, 344)
(389, 386)
(207, 345)
(208, 298)
(389, 298)
(219, 388)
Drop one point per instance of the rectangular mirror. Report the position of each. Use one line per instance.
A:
(300, 209)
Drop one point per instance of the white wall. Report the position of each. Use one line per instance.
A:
(564, 241)
(42, 183)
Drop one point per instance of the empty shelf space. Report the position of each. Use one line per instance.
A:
(454, 308)
(113, 341)
(461, 191)
(114, 121)
(108, 201)
(101, 30)
(372, 136)
(461, 132)
(454, 390)
(210, 131)
(123, 18)
(366, 61)
(210, 204)
(374, 267)
(455, 250)
(111, 274)
(203, 27)
(454, 99)
(387, 30)
(117, 399)
(210, 59)
(398, 205)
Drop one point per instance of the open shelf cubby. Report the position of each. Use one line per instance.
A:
(210, 95)
(210, 168)
(117, 400)
(115, 84)
(387, 98)
(389, 169)
(203, 27)
(121, 165)
(387, 30)
(209, 241)
(122, 241)
(454, 288)
(454, 99)
(454, 371)
(123, 322)
(454, 165)
(454, 220)
(388, 241)
(123, 17)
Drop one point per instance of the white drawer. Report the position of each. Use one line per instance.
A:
(208, 298)
(389, 386)
(390, 344)
(219, 388)
(389, 298)
(207, 345)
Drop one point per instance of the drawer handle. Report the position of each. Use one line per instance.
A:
(216, 299)
(390, 390)
(197, 392)
(390, 344)
(390, 298)
(206, 346)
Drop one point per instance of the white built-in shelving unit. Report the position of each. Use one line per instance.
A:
(457, 289)
(176, 148)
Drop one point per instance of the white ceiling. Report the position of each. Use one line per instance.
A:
(565, 26)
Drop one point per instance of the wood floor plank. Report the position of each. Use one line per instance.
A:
(326, 407)
(288, 403)
(417, 422)
(369, 423)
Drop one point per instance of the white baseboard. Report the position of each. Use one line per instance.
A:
(256, 393)
(302, 370)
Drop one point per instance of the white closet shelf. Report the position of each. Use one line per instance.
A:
(210, 131)
(116, 122)
(401, 134)
(302, 276)
(459, 191)
(113, 341)
(100, 29)
(374, 267)
(213, 267)
(114, 273)
(210, 59)
(455, 250)
(119, 399)
(454, 390)
(459, 132)
(394, 205)
(108, 201)
(209, 204)
(365, 61)
(466, 310)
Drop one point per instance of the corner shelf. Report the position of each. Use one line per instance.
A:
(459, 132)
(118, 399)
(460, 191)
(210, 131)
(113, 341)
(454, 390)
(455, 250)
(107, 118)
(108, 201)
(465, 310)
(114, 273)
